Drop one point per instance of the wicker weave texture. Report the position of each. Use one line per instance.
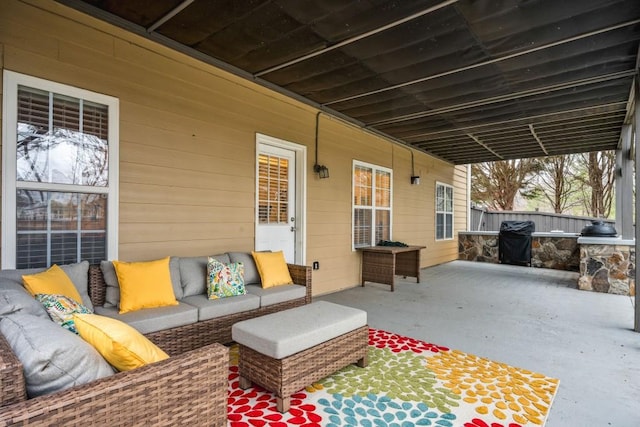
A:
(301, 275)
(380, 264)
(12, 382)
(408, 264)
(182, 390)
(378, 267)
(97, 286)
(286, 376)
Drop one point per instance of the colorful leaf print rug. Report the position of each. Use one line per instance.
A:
(406, 383)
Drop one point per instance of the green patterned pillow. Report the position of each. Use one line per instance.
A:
(224, 280)
(61, 309)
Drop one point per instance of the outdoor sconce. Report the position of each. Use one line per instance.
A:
(321, 170)
(415, 180)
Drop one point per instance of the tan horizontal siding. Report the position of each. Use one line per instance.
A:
(152, 250)
(158, 213)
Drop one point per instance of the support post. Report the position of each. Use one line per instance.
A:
(636, 126)
(624, 185)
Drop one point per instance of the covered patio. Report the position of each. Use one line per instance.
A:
(525, 317)
(200, 92)
(461, 81)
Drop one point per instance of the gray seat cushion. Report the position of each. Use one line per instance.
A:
(52, 358)
(210, 309)
(154, 319)
(251, 274)
(193, 274)
(112, 296)
(287, 332)
(78, 273)
(277, 294)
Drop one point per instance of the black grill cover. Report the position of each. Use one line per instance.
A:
(515, 242)
(521, 228)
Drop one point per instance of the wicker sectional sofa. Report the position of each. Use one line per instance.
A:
(189, 388)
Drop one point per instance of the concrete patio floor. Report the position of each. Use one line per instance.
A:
(527, 317)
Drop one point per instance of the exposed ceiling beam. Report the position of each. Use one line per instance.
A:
(484, 146)
(475, 156)
(549, 137)
(522, 119)
(489, 62)
(507, 97)
(578, 130)
(587, 121)
(552, 127)
(631, 105)
(589, 134)
(517, 142)
(533, 132)
(592, 140)
(355, 38)
(176, 10)
(512, 140)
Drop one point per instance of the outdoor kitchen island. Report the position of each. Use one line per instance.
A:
(606, 264)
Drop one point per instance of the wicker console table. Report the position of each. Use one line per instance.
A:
(381, 264)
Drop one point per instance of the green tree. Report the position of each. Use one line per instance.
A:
(496, 184)
(557, 182)
(597, 178)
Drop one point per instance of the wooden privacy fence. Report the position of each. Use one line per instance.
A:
(482, 220)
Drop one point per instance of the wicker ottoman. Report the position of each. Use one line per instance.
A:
(286, 351)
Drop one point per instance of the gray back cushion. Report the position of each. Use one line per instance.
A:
(78, 273)
(174, 272)
(15, 276)
(15, 299)
(193, 273)
(52, 357)
(251, 275)
(112, 295)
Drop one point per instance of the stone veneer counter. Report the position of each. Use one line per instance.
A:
(558, 251)
(605, 264)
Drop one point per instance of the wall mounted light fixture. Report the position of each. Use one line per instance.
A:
(321, 170)
(415, 179)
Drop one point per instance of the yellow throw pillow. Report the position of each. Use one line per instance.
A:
(272, 268)
(52, 281)
(121, 345)
(144, 284)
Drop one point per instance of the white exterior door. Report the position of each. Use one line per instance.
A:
(276, 200)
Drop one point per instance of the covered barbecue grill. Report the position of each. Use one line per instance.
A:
(515, 242)
(599, 228)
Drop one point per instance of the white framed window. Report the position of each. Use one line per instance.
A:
(372, 204)
(444, 211)
(59, 173)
